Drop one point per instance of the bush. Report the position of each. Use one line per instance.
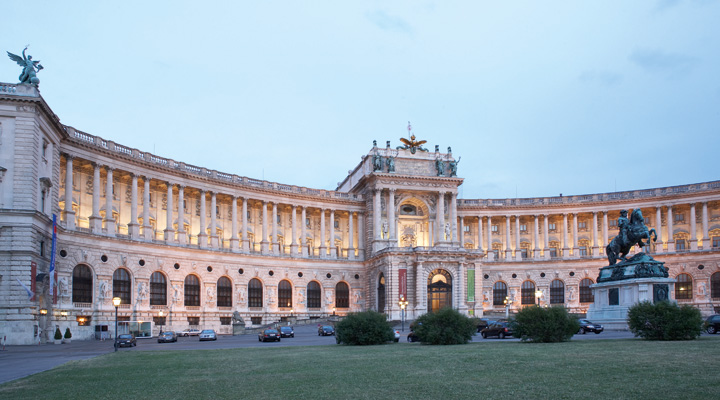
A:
(68, 335)
(446, 326)
(364, 328)
(58, 335)
(664, 321)
(545, 325)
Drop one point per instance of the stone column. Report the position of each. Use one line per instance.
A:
(202, 235)
(488, 231)
(273, 240)
(670, 233)
(148, 233)
(420, 287)
(181, 232)
(605, 231)
(440, 218)
(508, 250)
(566, 251)
(462, 290)
(109, 220)
(361, 235)
(303, 232)
(68, 213)
(480, 234)
(537, 236)
(453, 219)
(461, 232)
(323, 245)
(707, 242)
(658, 229)
(264, 244)
(546, 236)
(693, 228)
(575, 250)
(595, 249)
(214, 240)
(293, 234)
(333, 249)
(392, 225)
(377, 213)
(169, 230)
(351, 237)
(244, 238)
(133, 226)
(234, 240)
(95, 218)
(518, 251)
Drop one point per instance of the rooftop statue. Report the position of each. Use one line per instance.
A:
(30, 68)
(412, 144)
(453, 166)
(630, 233)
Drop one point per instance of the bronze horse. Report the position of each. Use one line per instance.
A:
(636, 232)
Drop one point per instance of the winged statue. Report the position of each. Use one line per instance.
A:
(412, 144)
(30, 68)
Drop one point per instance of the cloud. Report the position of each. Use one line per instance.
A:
(388, 22)
(658, 61)
(604, 78)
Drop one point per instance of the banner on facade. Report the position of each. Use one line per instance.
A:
(471, 285)
(402, 279)
(33, 278)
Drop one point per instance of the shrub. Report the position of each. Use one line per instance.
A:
(664, 321)
(58, 335)
(446, 326)
(68, 335)
(364, 328)
(545, 325)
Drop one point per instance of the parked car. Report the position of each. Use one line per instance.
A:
(326, 330)
(500, 329)
(207, 334)
(126, 339)
(712, 324)
(484, 323)
(287, 331)
(397, 336)
(587, 326)
(189, 332)
(269, 335)
(412, 337)
(167, 337)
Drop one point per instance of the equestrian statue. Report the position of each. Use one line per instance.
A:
(630, 233)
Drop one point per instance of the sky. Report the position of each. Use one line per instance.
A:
(538, 98)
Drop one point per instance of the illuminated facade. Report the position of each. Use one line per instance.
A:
(184, 246)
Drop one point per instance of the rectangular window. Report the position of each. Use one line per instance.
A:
(523, 228)
(680, 245)
(496, 254)
(613, 223)
(307, 222)
(225, 320)
(552, 227)
(193, 321)
(679, 217)
(494, 229)
(337, 224)
(159, 321)
(466, 228)
(524, 253)
(256, 320)
(716, 242)
(582, 225)
(583, 251)
(553, 252)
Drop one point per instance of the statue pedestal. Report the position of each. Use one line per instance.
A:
(238, 328)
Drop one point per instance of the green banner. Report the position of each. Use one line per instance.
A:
(471, 285)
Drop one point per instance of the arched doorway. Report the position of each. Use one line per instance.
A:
(439, 289)
(381, 293)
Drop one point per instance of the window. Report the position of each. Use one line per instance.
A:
(612, 223)
(586, 295)
(255, 293)
(284, 294)
(582, 225)
(494, 228)
(158, 289)
(680, 244)
(342, 295)
(496, 249)
(553, 252)
(249, 217)
(307, 222)
(313, 295)
(557, 292)
(256, 320)
(192, 292)
(336, 223)
(523, 227)
(159, 321)
(552, 226)
(683, 287)
(583, 251)
(714, 285)
(679, 217)
(554, 249)
(224, 292)
(225, 320)
(121, 285)
(499, 293)
(466, 228)
(527, 293)
(82, 286)
(193, 321)
(716, 242)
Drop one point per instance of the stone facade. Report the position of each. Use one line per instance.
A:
(185, 246)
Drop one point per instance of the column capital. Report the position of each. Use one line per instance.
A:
(181, 187)
(144, 178)
(392, 190)
(109, 169)
(68, 157)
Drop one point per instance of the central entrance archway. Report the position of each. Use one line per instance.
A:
(439, 290)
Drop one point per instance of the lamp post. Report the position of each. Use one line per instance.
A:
(116, 302)
(507, 307)
(538, 294)
(403, 303)
(161, 321)
(333, 311)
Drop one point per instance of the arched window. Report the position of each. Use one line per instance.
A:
(158, 289)
(439, 290)
(313, 295)
(586, 295)
(121, 285)
(684, 287)
(499, 293)
(525, 250)
(255, 293)
(192, 291)
(714, 285)
(557, 292)
(381, 293)
(82, 284)
(527, 293)
(284, 294)
(342, 295)
(224, 292)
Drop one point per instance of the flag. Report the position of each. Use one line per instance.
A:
(30, 293)
(52, 257)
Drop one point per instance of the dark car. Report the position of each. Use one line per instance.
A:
(712, 324)
(587, 326)
(484, 323)
(500, 329)
(126, 339)
(167, 337)
(326, 330)
(287, 331)
(269, 335)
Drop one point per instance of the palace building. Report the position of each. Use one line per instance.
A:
(187, 247)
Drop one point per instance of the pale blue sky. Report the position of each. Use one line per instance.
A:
(537, 97)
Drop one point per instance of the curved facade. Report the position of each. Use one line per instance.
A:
(187, 247)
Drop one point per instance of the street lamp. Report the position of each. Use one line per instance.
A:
(161, 321)
(507, 307)
(333, 311)
(116, 302)
(403, 303)
(538, 294)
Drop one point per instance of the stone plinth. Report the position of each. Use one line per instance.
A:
(614, 298)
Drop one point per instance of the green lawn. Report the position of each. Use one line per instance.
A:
(597, 369)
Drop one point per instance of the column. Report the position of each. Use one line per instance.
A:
(351, 237)
(670, 232)
(109, 220)
(273, 240)
(323, 246)
(202, 235)
(518, 251)
(392, 225)
(214, 240)
(169, 231)
(537, 236)
(244, 238)
(303, 232)
(707, 242)
(546, 236)
(488, 231)
(377, 211)
(566, 251)
(693, 228)
(133, 226)
(420, 288)
(605, 230)
(68, 213)
(234, 240)
(595, 249)
(481, 238)
(462, 289)
(440, 218)
(461, 232)
(95, 219)
(453, 219)
(361, 235)
(333, 249)
(508, 250)
(181, 232)
(575, 249)
(148, 233)
(264, 244)
(658, 230)
(293, 233)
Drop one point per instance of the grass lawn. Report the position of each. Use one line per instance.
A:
(598, 369)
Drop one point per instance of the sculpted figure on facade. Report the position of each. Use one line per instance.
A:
(142, 291)
(328, 296)
(391, 164)
(271, 295)
(30, 68)
(448, 231)
(358, 297)
(241, 296)
(453, 166)
(177, 294)
(301, 296)
(440, 167)
(210, 291)
(63, 290)
(377, 162)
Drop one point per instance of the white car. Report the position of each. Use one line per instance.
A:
(397, 336)
(189, 332)
(208, 334)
